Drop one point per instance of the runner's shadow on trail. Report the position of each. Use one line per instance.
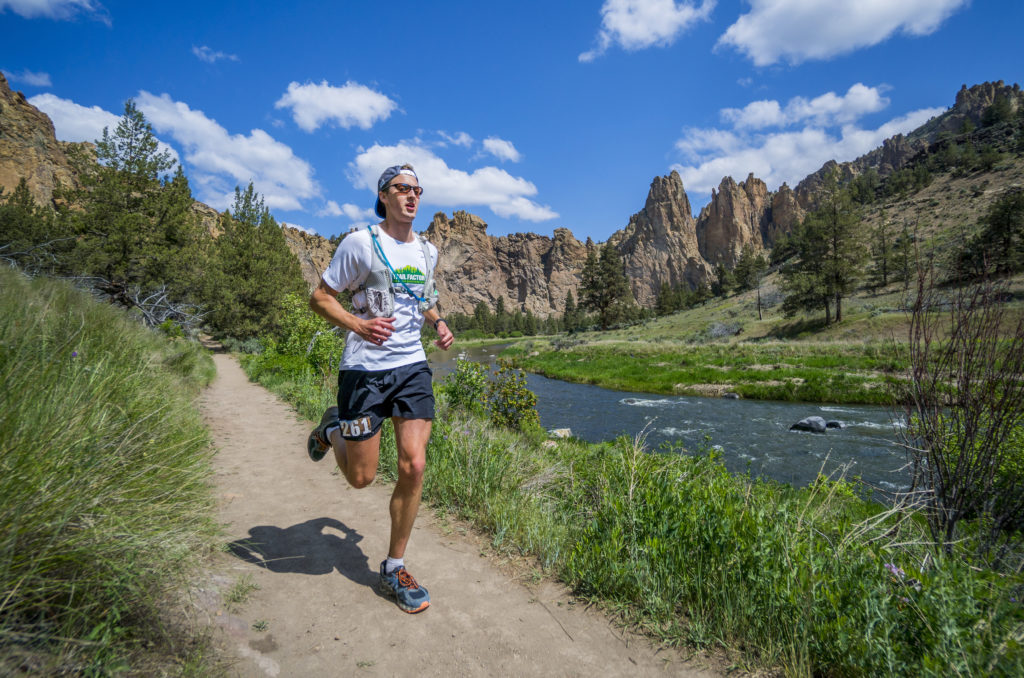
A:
(306, 548)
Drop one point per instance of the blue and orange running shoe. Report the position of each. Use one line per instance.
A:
(317, 444)
(410, 596)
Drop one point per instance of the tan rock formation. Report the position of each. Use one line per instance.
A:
(313, 252)
(737, 216)
(29, 149)
(531, 272)
(660, 242)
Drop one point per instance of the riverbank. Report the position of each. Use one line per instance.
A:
(806, 581)
(821, 372)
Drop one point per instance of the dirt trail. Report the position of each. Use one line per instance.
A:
(313, 545)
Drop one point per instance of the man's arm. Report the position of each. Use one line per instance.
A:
(444, 334)
(325, 304)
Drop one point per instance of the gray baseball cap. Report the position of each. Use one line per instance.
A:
(385, 178)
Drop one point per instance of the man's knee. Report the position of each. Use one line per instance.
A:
(359, 480)
(412, 467)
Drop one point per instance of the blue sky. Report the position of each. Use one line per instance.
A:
(532, 115)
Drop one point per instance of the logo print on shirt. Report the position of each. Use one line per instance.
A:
(410, 275)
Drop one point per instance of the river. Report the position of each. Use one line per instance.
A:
(752, 435)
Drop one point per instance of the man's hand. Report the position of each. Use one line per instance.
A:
(444, 336)
(375, 330)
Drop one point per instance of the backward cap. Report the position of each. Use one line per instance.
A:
(385, 178)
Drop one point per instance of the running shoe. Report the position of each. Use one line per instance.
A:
(317, 444)
(410, 596)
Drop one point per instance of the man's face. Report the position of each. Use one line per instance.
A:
(401, 206)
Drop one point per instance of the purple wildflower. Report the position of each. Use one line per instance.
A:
(74, 354)
(895, 571)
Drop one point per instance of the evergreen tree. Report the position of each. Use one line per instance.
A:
(120, 202)
(253, 270)
(666, 302)
(529, 324)
(605, 288)
(28, 234)
(571, 315)
(749, 268)
(829, 254)
(482, 318)
(881, 252)
(724, 281)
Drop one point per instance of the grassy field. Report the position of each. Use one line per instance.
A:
(104, 497)
(814, 581)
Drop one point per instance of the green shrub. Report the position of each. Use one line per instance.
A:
(465, 387)
(509, 401)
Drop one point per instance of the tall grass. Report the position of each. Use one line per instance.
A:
(104, 494)
(812, 581)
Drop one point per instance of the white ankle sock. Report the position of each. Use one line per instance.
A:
(392, 564)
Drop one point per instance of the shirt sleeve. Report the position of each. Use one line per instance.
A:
(350, 264)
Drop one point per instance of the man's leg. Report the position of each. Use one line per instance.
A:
(411, 436)
(357, 459)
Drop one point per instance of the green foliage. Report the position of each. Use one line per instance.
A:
(104, 491)
(30, 237)
(749, 269)
(830, 249)
(134, 223)
(510, 403)
(864, 187)
(604, 287)
(252, 271)
(999, 247)
(304, 333)
(467, 385)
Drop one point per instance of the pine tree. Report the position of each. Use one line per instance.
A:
(749, 268)
(253, 270)
(28, 236)
(830, 253)
(571, 315)
(881, 251)
(604, 286)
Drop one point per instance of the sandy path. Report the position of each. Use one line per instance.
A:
(319, 545)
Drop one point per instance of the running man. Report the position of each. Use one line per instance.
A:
(384, 372)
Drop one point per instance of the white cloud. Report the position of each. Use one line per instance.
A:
(460, 139)
(785, 144)
(638, 24)
(30, 78)
(801, 30)
(222, 161)
(55, 9)
(827, 109)
(501, 149)
(74, 122)
(207, 54)
(357, 216)
(504, 194)
(347, 106)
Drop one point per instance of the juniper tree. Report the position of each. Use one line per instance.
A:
(604, 286)
(253, 270)
(830, 253)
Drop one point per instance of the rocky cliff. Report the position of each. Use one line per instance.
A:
(29, 149)
(899, 151)
(531, 272)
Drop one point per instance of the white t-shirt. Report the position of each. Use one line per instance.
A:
(349, 268)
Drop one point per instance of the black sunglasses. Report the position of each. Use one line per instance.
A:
(405, 188)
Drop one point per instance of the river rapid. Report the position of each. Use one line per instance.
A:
(752, 435)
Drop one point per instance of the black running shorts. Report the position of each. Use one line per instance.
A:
(366, 399)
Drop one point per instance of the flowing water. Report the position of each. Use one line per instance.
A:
(752, 435)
